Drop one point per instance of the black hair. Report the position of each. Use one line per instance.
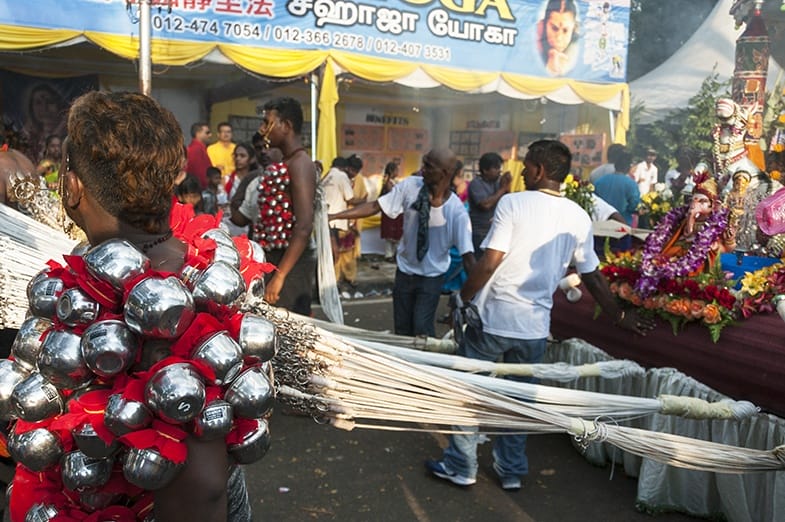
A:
(552, 155)
(490, 160)
(623, 162)
(288, 109)
(189, 185)
(339, 162)
(354, 162)
(196, 127)
(614, 149)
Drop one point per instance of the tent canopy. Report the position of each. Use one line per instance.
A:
(671, 85)
(21, 30)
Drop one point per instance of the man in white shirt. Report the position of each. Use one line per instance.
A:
(535, 236)
(645, 173)
(434, 219)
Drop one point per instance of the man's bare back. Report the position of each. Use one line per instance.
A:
(12, 162)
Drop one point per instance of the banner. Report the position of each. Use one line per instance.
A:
(580, 39)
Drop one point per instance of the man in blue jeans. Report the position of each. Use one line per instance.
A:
(434, 219)
(534, 237)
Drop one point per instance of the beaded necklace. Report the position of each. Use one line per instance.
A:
(273, 229)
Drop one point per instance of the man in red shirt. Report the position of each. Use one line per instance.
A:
(198, 160)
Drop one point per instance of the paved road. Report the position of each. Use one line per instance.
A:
(316, 472)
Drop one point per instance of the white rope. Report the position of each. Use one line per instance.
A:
(328, 288)
(353, 386)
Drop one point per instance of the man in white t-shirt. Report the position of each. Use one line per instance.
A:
(338, 194)
(645, 173)
(535, 236)
(434, 219)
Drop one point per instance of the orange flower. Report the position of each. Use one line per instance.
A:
(650, 303)
(678, 307)
(615, 287)
(776, 175)
(711, 314)
(696, 308)
(636, 299)
(625, 291)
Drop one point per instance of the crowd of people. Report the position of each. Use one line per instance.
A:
(514, 247)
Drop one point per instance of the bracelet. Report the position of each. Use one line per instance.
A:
(621, 318)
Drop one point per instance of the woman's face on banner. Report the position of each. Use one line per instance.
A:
(559, 28)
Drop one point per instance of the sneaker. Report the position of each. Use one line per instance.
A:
(509, 482)
(439, 469)
(358, 295)
(346, 295)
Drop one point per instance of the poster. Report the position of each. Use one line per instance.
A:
(34, 108)
(580, 39)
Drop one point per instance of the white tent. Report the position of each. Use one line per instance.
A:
(672, 84)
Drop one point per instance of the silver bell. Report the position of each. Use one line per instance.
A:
(11, 374)
(215, 421)
(61, 361)
(93, 446)
(76, 307)
(80, 472)
(251, 394)
(159, 308)
(36, 449)
(109, 347)
(116, 262)
(222, 354)
(257, 338)
(43, 294)
(254, 445)
(176, 393)
(35, 399)
(27, 344)
(148, 469)
(81, 248)
(123, 416)
(219, 283)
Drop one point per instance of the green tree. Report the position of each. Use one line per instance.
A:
(690, 126)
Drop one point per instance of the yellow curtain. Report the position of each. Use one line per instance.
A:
(15, 38)
(279, 63)
(326, 141)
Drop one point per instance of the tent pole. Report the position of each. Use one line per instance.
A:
(613, 125)
(145, 37)
(314, 111)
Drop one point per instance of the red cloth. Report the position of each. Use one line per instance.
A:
(198, 162)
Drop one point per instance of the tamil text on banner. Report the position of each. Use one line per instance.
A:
(580, 39)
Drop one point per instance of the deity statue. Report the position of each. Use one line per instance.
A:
(688, 240)
(748, 188)
(728, 137)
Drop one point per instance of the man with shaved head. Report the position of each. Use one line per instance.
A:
(434, 219)
(11, 162)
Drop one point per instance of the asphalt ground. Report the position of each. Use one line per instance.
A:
(318, 472)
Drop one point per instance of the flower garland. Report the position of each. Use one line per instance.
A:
(654, 267)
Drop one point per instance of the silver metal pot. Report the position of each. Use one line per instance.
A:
(27, 344)
(35, 399)
(89, 443)
(76, 307)
(251, 394)
(41, 512)
(148, 469)
(36, 449)
(11, 374)
(81, 248)
(222, 354)
(61, 361)
(176, 393)
(215, 421)
(227, 254)
(116, 261)
(257, 338)
(219, 283)
(124, 415)
(109, 347)
(254, 445)
(97, 500)
(220, 236)
(80, 472)
(43, 294)
(159, 308)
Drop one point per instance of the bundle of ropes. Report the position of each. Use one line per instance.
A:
(353, 386)
(26, 245)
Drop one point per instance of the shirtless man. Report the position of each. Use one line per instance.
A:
(11, 162)
(291, 285)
